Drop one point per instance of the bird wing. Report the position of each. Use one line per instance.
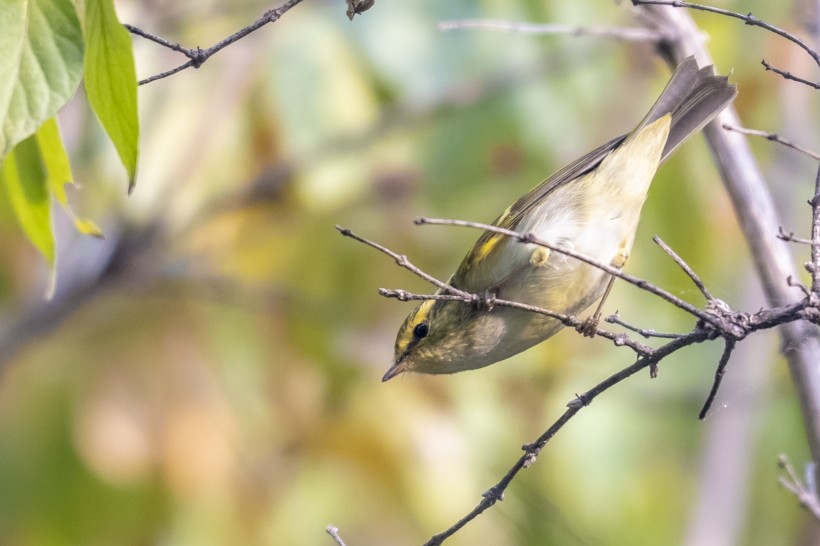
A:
(478, 280)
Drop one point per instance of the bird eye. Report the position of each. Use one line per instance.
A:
(421, 330)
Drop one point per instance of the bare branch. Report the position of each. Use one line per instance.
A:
(157, 39)
(334, 533)
(685, 267)
(788, 75)
(636, 34)
(197, 56)
(757, 216)
(721, 370)
(814, 265)
(748, 19)
(723, 323)
(405, 263)
(650, 333)
(774, 137)
(530, 238)
(806, 493)
(791, 238)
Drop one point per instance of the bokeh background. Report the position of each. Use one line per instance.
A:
(210, 373)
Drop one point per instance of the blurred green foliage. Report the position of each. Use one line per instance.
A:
(223, 386)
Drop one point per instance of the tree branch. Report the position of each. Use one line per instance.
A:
(748, 19)
(636, 34)
(806, 492)
(685, 267)
(334, 534)
(756, 213)
(774, 138)
(614, 271)
(724, 323)
(788, 75)
(721, 369)
(197, 56)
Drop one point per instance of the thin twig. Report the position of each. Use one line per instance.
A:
(788, 75)
(636, 34)
(530, 238)
(647, 333)
(157, 39)
(721, 370)
(402, 260)
(814, 268)
(748, 19)
(791, 238)
(806, 493)
(334, 533)
(197, 56)
(165, 74)
(685, 267)
(774, 137)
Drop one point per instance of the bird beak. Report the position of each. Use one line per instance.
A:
(399, 367)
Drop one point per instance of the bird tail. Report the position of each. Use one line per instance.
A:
(693, 96)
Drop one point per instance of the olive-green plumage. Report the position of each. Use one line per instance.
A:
(591, 206)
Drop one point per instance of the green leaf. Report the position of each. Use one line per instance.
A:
(55, 159)
(25, 179)
(111, 80)
(58, 173)
(87, 227)
(41, 61)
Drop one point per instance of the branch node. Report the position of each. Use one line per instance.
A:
(197, 56)
(580, 401)
(531, 456)
(493, 494)
(730, 325)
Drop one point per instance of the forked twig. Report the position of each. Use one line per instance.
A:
(197, 56)
(804, 490)
(729, 325)
(402, 260)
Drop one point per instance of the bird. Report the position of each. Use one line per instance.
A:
(592, 206)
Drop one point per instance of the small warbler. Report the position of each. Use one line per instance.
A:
(592, 206)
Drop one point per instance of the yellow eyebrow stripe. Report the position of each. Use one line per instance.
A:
(420, 315)
(423, 311)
